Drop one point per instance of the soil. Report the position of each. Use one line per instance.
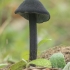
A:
(65, 50)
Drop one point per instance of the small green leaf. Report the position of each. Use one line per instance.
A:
(67, 67)
(58, 60)
(3, 65)
(43, 41)
(19, 65)
(25, 55)
(41, 62)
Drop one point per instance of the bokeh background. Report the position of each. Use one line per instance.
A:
(14, 30)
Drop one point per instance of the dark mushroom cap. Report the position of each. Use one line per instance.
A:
(33, 6)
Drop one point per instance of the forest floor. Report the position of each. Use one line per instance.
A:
(65, 50)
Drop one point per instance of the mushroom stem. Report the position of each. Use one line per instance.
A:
(33, 36)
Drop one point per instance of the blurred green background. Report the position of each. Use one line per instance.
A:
(14, 30)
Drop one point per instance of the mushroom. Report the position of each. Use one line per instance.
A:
(34, 11)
